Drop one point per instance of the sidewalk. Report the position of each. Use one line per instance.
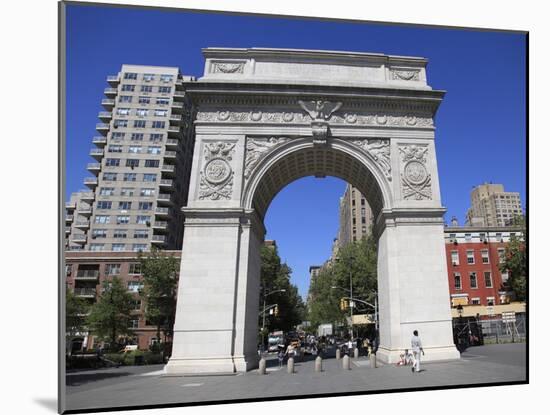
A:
(479, 365)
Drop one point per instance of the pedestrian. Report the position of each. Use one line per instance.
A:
(281, 355)
(416, 346)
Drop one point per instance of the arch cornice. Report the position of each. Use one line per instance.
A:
(305, 143)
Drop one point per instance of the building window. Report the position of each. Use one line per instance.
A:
(490, 301)
(144, 100)
(149, 177)
(112, 269)
(135, 268)
(125, 98)
(504, 276)
(117, 136)
(130, 177)
(485, 256)
(127, 191)
(166, 78)
(139, 123)
(120, 233)
(145, 205)
(161, 113)
(143, 219)
(142, 112)
(155, 137)
(136, 305)
(136, 137)
(125, 205)
(112, 162)
(475, 301)
(106, 191)
(147, 192)
(118, 247)
(152, 163)
(134, 149)
(139, 233)
(123, 111)
(473, 280)
(122, 220)
(501, 255)
(454, 258)
(163, 101)
(120, 123)
(488, 279)
(148, 77)
(165, 89)
(114, 148)
(128, 88)
(130, 75)
(139, 247)
(102, 219)
(468, 237)
(146, 88)
(158, 124)
(99, 233)
(458, 281)
(104, 204)
(134, 322)
(154, 150)
(132, 163)
(470, 257)
(97, 247)
(135, 286)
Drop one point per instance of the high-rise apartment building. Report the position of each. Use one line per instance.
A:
(143, 161)
(492, 206)
(355, 216)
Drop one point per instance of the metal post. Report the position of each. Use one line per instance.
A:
(351, 298)
(263, 325)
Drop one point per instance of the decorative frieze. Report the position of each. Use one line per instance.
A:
(415, 179)
(257, 149)
(216, 180)
(380, 152)
(405, 75)
(228, 67)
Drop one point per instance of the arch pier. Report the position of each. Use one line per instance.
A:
(267, 117)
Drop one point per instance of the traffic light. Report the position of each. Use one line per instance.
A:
(276, 311)
(344, 304)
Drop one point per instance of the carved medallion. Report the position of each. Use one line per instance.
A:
(256, 115)
(381, 119)
(288, 116)
(217, 170)
(415, 179)
(223, 115)
(351, 118)
(217, 175)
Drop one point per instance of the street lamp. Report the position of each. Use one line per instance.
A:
(263, 313)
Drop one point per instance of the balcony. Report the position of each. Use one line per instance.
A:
(102, 128)
(167, 184)
(158, 239)
(85, 210)
(172, 143)
(91, 182)
(67, 229)
(97, 153)
(113, 80)
(79, 238)
(179, 95)
(108, 103)
(70, 205)
(174, 131)
(69, 218)
(110, 92)
(160, 225)
(87, 196)
(177, 107)
(161, 211)
(170, 155)
(94, 168)
(87, 274)
(82, 224)
(164, 198)
(168, 169)
(175, 119)
(105, 116)
(99, 141)
(85, 292)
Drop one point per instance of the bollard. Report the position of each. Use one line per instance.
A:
(290, 365)
(372, 360)
(346, 363)
(356, 353)
(319, 364)
(338, 354)
(261, 369)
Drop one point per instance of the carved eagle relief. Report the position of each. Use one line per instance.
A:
(320, 110)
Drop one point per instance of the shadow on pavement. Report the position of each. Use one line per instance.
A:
(80, 379)
(48, 403)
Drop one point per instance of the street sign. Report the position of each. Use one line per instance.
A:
(490, 310)
(509, 317)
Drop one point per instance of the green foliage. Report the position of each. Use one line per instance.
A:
(357, 260)
(75, 315)
(515, 263)
(276, 276)
(110, 316)
(160, 278)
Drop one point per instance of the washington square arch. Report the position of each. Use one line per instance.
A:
(267, 117)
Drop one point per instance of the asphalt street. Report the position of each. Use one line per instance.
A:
(146, 385)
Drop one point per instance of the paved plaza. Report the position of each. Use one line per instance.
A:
(147, 385)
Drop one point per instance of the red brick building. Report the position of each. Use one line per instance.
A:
(85, 273)
(473, 258)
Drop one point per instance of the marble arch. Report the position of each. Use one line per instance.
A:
(266, 117)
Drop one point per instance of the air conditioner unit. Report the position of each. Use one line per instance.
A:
(454, 263)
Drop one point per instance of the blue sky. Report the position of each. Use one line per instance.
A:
(480, 125)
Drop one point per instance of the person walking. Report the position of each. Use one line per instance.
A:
(416, 346)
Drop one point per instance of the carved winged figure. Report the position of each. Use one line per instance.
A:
(320, 110)
(220, 149)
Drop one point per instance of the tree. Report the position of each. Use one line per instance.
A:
(75, 316)
(515, 263)
(110, 315)
(275, 276)
(160, 277)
